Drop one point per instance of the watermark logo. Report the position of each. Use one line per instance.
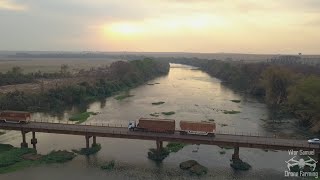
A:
(301, 163)
(302, 166)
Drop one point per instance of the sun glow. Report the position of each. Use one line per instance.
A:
(164, 25)
(122, 29)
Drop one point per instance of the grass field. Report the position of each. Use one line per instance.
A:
(52, 64)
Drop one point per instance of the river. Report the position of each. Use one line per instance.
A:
(192, 95)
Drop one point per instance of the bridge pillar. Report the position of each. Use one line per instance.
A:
(94, 138)
(87, 141)
(34, 140)
(235, 155)
(158, 145)
(24, 144)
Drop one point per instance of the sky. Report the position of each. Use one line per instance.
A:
(208, 26)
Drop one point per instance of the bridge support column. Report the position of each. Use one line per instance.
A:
(235, 155)
(87, 142)
(158, 145)
(24, 144)
(34, 140)
(94, 139)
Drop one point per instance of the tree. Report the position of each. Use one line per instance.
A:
(64, 69)
(276, 81)
(304, 98)
(16, 70)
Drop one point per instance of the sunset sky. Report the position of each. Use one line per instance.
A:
(239, 26)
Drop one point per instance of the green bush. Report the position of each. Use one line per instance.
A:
(158, 103)
(240, 165)
(12, 159)
(58, 157)
(93, 150)
(82, 117)
(175, 147)
(155, 114)
(121, 97)
(231, 112)
(108, 165)
(5, 147)
(13, 156)
(168, 113)
(153, 154)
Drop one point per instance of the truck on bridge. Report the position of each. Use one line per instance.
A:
(168, 126)
(15, 116)
(153, 125)
(197, 128)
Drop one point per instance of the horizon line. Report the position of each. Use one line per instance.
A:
(161, 52)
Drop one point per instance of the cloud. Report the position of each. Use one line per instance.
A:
(198, 25)
(11, 6)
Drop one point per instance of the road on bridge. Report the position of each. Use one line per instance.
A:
(122, 132)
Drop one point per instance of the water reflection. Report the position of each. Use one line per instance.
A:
(193, 95)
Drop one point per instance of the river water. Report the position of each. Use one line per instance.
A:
(192, 95)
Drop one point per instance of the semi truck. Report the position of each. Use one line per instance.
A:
(15, 117)
(153, 125)
(197, 128)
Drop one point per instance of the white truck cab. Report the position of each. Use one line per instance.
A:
(132, 125)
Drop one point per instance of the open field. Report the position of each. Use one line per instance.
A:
(52, 64)
(47, 84)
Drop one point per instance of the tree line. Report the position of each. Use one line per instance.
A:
(124, 75)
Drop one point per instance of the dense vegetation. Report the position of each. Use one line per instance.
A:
(288, 89)
(122, 76)
(16, 75)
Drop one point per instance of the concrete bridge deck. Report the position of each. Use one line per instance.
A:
(122, 132)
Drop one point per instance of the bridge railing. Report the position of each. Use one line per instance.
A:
(99, 124)
(253, 134)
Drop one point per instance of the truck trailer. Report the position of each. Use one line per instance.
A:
(197, 128)
(15, 116)
(153, 125)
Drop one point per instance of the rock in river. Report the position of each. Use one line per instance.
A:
(188, 164)
(194, 167)
(198, 169)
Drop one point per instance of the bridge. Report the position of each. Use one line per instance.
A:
(93, 131)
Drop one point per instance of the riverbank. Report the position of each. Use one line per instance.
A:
(289, 90)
